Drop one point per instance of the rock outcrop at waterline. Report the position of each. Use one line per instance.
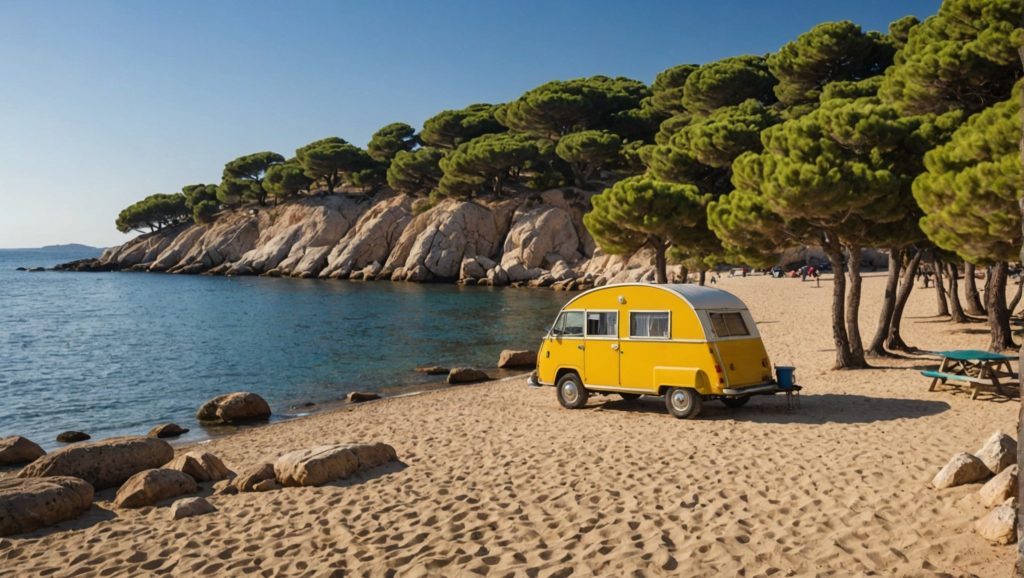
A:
(536, 240)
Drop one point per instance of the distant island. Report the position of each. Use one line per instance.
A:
(65, 248)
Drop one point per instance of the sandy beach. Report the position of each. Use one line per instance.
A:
(497, 479)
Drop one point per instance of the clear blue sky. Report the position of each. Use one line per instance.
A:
(104, 102)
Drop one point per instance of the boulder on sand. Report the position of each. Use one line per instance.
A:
(202, 466)
(999, 451)
(149, 487)
(232, 408)
(466, 375)
(248, 478)
(70, 437)
(28, 504)
(104, 463)
(323, 464)
(167, 430)
(361, 396)
(517, 358)
(188, 507)
(19, 450)
(1000, 488)
(999, 525)
(962, 469)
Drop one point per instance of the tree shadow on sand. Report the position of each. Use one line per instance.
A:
(813, 409)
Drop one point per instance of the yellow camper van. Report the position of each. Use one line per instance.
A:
(685, 342)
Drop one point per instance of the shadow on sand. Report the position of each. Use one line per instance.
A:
(814, 409)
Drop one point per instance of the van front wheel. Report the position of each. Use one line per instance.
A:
(683, 402)
(571, 393)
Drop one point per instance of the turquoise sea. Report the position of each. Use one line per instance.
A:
(116, 353)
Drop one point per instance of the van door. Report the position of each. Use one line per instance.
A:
(565, 344)
(602, 349)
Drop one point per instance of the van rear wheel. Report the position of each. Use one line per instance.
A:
(735, 402)
(683, 402)
(570, 391)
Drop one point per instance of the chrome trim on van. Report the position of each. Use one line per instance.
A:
(752, 390)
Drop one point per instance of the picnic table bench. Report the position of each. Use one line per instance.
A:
(977, 369)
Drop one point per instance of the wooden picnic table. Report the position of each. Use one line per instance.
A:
(975, 368)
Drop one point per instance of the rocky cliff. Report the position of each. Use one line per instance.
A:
(537, 240)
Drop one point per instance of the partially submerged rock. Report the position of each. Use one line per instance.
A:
(1000, 525)
(998, 452)
(104, 463)
(201, 466)
(189, 507)
(962, 469)
(19, 450)
(28, 504)
(361, 396)
(151, 486)
(1000, 488)
(167, 430)
(433, 369)
(233, 408)
(466, 375)
(70, 437)
(517, 358)
(323, 464)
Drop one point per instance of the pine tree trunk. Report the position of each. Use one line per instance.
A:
(853, 307)
(894, 341)
(942, 304)
(877, 346)
(1020, 377)
(702, 277)
(972, 299)
(956, 312)
(1016, 296)
(998, 315)
(660, 266)
(844, 358)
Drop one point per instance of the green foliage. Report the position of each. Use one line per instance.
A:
(390, 140)
(829, 52)
(899, 30)
(205, 211)
(961, 58)
(702, 152)
(243, 178)
(667, 90)
(154, 212)
(486, 162)
(286, 180)
(451, 128)
(560, 107)
(334, 161)
(970, 189)
(587, 152)
(671, 126)
(416, 172)
(202, 201)
(728, 82)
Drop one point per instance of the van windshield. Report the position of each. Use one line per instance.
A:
(568, 324)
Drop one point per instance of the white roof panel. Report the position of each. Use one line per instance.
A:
(705, 297)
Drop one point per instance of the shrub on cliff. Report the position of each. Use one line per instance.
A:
(154, 213)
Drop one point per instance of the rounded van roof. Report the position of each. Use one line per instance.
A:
(696, 296)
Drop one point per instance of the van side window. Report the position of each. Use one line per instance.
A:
(648, 324)
(569, 324)
(729, 324)
(602, 323)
